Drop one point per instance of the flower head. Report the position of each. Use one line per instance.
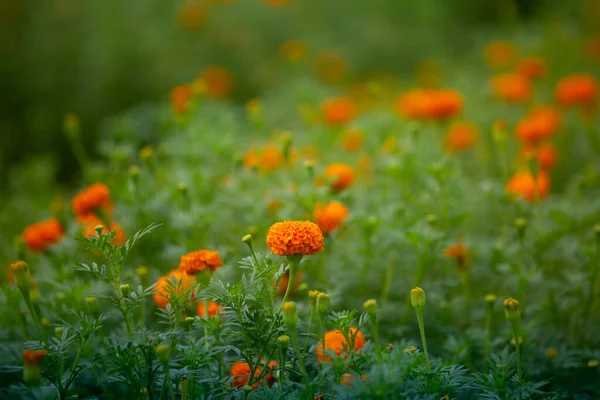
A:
(353, 140)
(577, 90)
(458, 252)
(540, 124)
(289, 238)
(511, 87)
(338, 111)
(336, 342)
(533, 67)
(524, 185)
(461, 136)
(90, 200)
(240, 372)
(429, 104)
(180, 98)
(41, 235)
(92, 224)
(330, 216)
(342, 175)
(198, 261)
(214, 309)
(162, 291)
(217, 82)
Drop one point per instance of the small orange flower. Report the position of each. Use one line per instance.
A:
(460, 253)
(90, 229)
(285, 279)
(213, 309)
(500, 54)
(198, 261)
(338, 111)
(267, 159)
(547, 156)
(161, 295)
(330, 216)
(532, 68)
(577, 90)
(461, 136)
(342, 175)
(240, 371)
(191, 14)
(93, 198)
(524, 185)
(335, 341)
(353, 140)
(217, 82)
(289, 238)
(180, 98)
(429, 104)
(511, 87)
(33, 357)
(41, 235)
(293, 50)
(540, 124)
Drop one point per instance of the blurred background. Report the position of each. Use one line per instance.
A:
(98, 58)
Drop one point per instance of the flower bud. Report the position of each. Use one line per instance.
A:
(142, 272)
(71, 126)
(34, 293)
(45, 322)
(592, 363)
(417, 298)
(163, 352)
(551, 353)
(125, 290)
(189, 321)
(310, 167)
(512, 310)
(283, 342)
(99, 229)
(371, 224)
(312, 296)
(521, 227)
(389, 347)
(134, 173)
(92, 305)
(247, 239)
(323, 300)
(597, 231)
(182, 188)
(58, 332)
(146, 153)
(32, 372)
(410, 349)
(20, 271)
(490, 301)
(290, 314)
(370, 306)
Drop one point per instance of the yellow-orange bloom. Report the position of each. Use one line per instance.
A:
(240, 371)
(533, 67)
(41, 235)
(524, 185)
(540, 124)
(338, 111)
(293, 50)
(161, 295)
(33, 357)
(460, 136)
(213, 309)
(547, 156)
(500, 54)
(217, 82)
(90, 229)
(458, 252)
(512, 87)
(429, 104)
(267, 159)
(289, 238)
(353, 140)
(198, 261)
(336, 342)
(342, 175)
(180, 98)
(330, 216)
(578, 89)
(93, 198)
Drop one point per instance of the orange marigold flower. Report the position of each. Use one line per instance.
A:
(330, 216)
(336, 342)
(338, 111)
(578, 89)
(353, 140)
(532, 68)
(461, 136)
(41, 235)
(191, 14)
(240, 371)
(524, 185)
(198, 261)
(213, 309)
(500, 54)
(217, 82)
(90, 229)
(429, 104)
(161, 295)
(458, 252)
(342, 175)
(293, 50)
(540, 124)
(547, 156)
(93, 198)
(285, 279)
(289, 238)
(33, 357)
(180, 98)
(511, 87)
(271, 158)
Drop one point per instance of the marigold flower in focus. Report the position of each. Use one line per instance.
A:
(511, 87)
(293, 50)
(523, 185)
(330, 216)
(532, 68)
(240, 371)
(161, 295)
(217, 82)
(353, 140)
(180, 98)
(577, 90)
(338, 111)
(342, 175)
(41, 235)
(92, 199)
(461, 136)
(289, 238)
(198, 261)
(458, 252)
(213, 309)
(336, 342)
(191, 14)
(500, 54)
(90, 230)
(540, 124)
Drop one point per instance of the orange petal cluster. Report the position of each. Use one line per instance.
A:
(524, 185)
(93, 198)
(217, 82)
(460, 136)
(289, 238)
(198, 261)
(240, 371)
(577, 90)
(180, 98)
(33, 357)
(41, 235)
(429, 104)
(338, 111)
(214, 309)
(342, 176)
(266, 159)
(532, 68)
(353, 140)
(330, 216)
(512, 87)
(161, 295)
(336, 342)
(540, 124)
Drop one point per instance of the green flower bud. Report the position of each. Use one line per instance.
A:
(142, 272)
(512, 310)
(323, 300)
(283, 342)
(312, 296)
(22, 276)
(163, 352)
(290, 314)
(92, 304)
(58, 332)
(370, 306)
(125, 290)
(417, 298)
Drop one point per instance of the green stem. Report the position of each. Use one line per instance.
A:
(487, 339)
(299, 356)
(423, 339)
(376, 338)
(282, 356)
(518, 347)
(310, 318)
(592, 289)
(387, 282)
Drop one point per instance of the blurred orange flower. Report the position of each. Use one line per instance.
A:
(161, 295)
(191, 14)
(330, 216)
(293, 50)
(41, 235)
(460, 136)
(180, 98)
(33, 357)
(240, 371)
(289, 238)
(342, 175)
(500, 54)
(285, 279)
(546, 155)
(429, 104)
(511, 87)
(524, 185)
(353, 140)
(217, 82)
(458, 252)
(336, 342)
(532, 68)
(577, 90)
(198, 261)
(213, 309)
(348, 379)
(540, 124)
(90, 229)
(338, 111)
(266, 159)
(94, 198)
